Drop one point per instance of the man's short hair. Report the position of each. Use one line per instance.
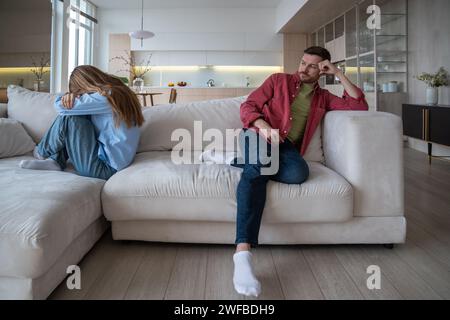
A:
(319, 51)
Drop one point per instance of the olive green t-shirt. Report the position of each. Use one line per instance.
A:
(299, 112)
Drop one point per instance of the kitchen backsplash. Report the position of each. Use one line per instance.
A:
(221, 76)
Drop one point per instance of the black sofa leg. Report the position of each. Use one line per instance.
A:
(389, 246)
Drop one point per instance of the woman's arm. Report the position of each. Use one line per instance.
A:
(86, 104)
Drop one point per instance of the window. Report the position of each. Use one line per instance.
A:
(81, 33)
(329, 32)
(339, 27)
(321, 38)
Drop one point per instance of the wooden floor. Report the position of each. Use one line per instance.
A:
(419, 269)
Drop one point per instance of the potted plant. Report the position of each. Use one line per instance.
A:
(137, 70)
(39, 70)
(434, 81)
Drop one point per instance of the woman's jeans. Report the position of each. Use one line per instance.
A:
(251, 190)
(74, 137)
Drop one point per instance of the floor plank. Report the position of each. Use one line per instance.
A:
(407, 282)
(265, 272)
(433, 272)
(219, 275)
(92, 267)
(333, 279)
(428, 242)
(152, 277)
(113, 282)
(356, 262)
(425, 202)
(296, 278)
(188, 278)
(429, 224)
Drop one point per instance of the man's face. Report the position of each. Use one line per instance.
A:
(309, 68)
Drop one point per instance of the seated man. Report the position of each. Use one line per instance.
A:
(283, 113)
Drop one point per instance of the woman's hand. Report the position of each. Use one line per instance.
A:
(68, 99)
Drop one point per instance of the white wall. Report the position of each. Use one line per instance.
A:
(429, 49)
(220, 30)
(429, 45)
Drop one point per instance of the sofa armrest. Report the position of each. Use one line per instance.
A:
(366, 148)
(3, 110)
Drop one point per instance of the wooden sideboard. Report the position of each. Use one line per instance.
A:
(427, 123)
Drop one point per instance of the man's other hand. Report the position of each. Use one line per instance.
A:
(268, 133)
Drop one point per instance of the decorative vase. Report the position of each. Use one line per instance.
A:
(138, 84)
(38, 85)
(432, 95)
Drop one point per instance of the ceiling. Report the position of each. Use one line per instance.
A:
(167, 4)
(316, 13)
(25, 5)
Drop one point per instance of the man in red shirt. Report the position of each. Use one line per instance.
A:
(283, 113)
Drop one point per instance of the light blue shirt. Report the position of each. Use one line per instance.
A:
(118, 146)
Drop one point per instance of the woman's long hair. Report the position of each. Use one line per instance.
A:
(125, 104)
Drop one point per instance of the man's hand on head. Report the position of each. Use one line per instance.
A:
(326, 67)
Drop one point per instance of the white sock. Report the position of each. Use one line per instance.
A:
(211, 156)
(243, 279)
(47, 164)
(37, 155)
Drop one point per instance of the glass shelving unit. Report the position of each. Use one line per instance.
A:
(391, 56)
(375, 60)
(391, 43)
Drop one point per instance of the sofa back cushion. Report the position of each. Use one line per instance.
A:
(161, 121)
(14, 140)
(221, 114)
(33, 109)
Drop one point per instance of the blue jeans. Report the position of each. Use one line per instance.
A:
(74, 137)
(251, 190)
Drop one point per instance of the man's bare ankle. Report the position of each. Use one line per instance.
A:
(243, 247)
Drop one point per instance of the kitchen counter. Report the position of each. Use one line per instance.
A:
(189, 94)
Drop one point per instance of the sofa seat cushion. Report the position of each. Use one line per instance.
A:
(41, 213)
(154, 188)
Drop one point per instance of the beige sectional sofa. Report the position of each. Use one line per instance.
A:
(49, 220)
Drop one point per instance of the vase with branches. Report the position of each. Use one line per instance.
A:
(434, 82)
(39, 69)
(136, 69)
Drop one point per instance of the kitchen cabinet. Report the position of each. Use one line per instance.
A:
(214, 58)
(211, 41)
(252, 58)
(225, 58)
(186, 58)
